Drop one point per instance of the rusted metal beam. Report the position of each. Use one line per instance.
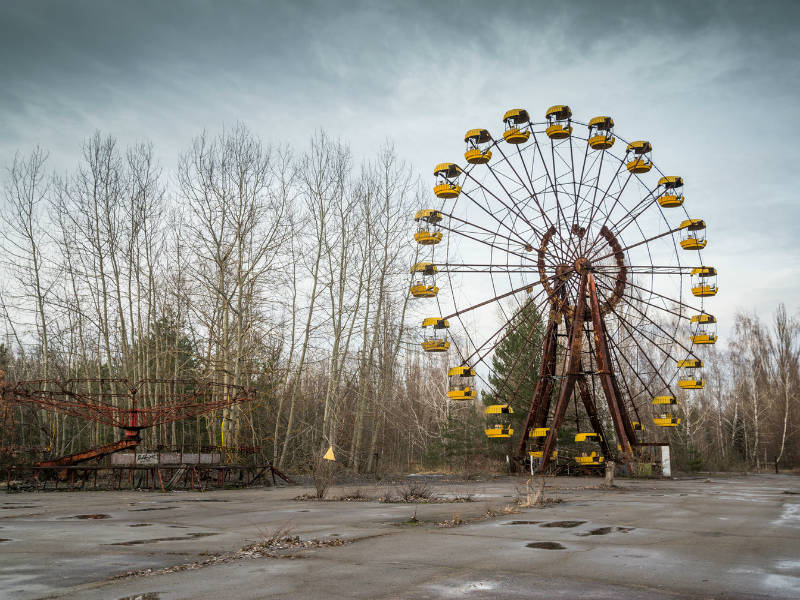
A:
(544, 384)
(575, 346)
(605, 373)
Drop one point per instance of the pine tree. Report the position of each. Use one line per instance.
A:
(515, 367)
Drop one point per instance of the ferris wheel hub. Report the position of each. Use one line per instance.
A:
(583, 265)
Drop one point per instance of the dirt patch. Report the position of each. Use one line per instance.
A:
(93, 516)
(564, 524)
(546, 545)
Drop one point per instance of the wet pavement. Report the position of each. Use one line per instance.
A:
(725, 537)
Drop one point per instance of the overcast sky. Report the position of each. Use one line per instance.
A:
(713, 86)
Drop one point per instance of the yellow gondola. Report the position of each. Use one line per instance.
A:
(558, 122)
(693, 234)
(433, 343)
(587, 437)
(637, 156)
(666, 420)
(704, 329)
(538, 432)
(499, 426)
(477, 141)
(423, 284)
(428, 233)
(540, 454)
(513, 133)
(446, 185)
(691, 384)
(589, 459)
(686, 378)
(704, 281)
(461, 383)
(671, 188)
(665, 400)
(600, 133)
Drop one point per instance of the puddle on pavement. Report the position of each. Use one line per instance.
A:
(198, 500)
(166, 539)
(546, 545)
(605, 531)
(13, 506)
(4, 540)
(565, 524)
(92, 516)
(153, 508)
(145, 596)
(140, 525)
(523, 523)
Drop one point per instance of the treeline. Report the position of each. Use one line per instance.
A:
(282, 271)
(285, 271)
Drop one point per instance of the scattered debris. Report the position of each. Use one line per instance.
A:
(454, 522)
(94, 516)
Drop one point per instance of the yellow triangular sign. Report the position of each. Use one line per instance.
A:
(329, 454)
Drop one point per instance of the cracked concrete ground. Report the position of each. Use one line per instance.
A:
(730, 537)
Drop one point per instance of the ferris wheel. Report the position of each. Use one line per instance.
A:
(566, 229)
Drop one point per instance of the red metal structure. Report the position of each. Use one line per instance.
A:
(120, 403)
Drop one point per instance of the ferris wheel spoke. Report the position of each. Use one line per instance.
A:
(554, 187)
(667, 335)
(631, 246)
(506, 206)
(648, 269)
(523, 288)
(595, 204)
(486, 242)
(632, 215)
(637, 299)
(608, 213)
(664, 297)
(617, 353)
(491, 214)
(508, 327)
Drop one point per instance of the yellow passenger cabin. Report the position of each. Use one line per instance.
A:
(540, 454)
(666, 420)
(433, 342)
(515, 121)
(461, 383)
(499, 421)
(637, 157)
(588, 460)
(693, 234)
(703, 329)
(601, 135)
(670, 191)
(559, 119)
(478, 142)
(446, 185)
(422, 281)
(587, 437)
(538, 432)
(691, 384)
(704, 281)
(428, 233)
(665, 401)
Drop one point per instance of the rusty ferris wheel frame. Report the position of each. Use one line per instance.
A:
(580, 225)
